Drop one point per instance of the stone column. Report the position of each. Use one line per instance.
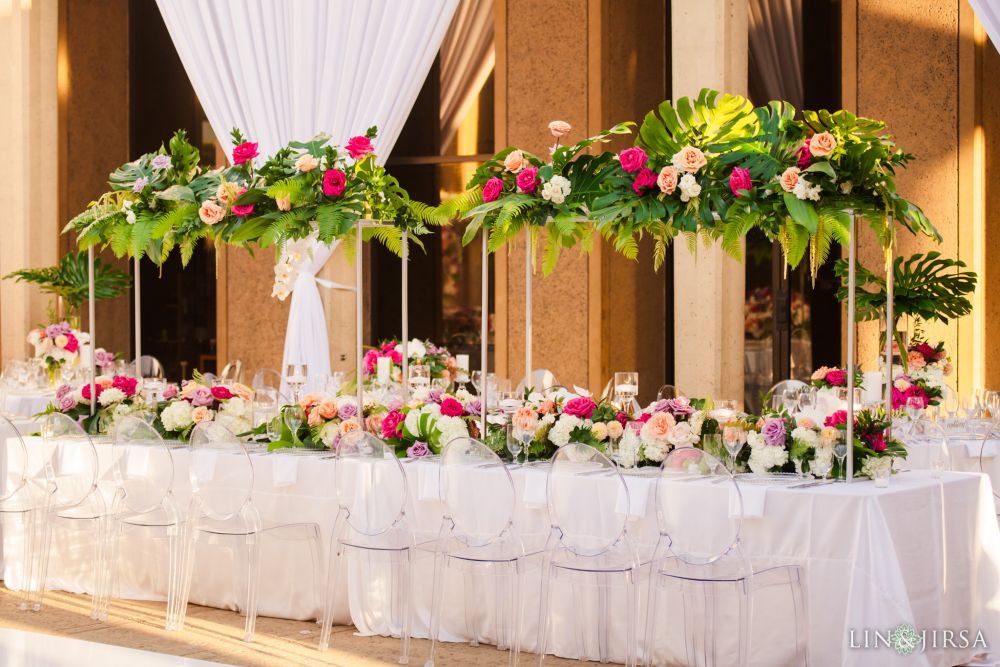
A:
(709, 50)
(28, 168)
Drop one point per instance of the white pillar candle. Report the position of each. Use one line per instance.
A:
(462, 361)
(627, 389)
(383, 370)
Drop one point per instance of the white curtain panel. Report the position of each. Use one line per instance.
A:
(776, 49)
(283, 70)
(467, 59)
(988, 13)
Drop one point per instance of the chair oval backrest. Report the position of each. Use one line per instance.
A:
(477, 491)
(369, 483)
(15, 455)
(588, 499)
(539, 380)
(270, 379)
(786, 385)
(232, 371)
(146, 366)
(221, 472)
(928, 439)
(667, 391)
(143, 465)
(686, 506)
(71, 459)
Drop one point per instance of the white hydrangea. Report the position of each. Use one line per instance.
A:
(805, 435)
(872, 464)
(655, 450)
(689, 187)
(235, 424)
(556, 190)
(235, 407)
(765, 457)
(111, 395)
(755, 439)
(824, 456)
(177, 416)
(805, 190)
(122, 410)
(415, 348)
(450, 428)
(549, 418)
(628, 448)
(560, 433)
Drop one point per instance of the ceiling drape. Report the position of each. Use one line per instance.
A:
(988, 13)
(283, 70)
(776, 51)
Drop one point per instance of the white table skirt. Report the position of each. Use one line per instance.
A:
(924, 551)
(26, 403)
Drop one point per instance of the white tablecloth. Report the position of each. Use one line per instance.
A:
(924, 551)
(26, 403)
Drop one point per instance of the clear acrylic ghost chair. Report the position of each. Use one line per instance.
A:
(270, 379)
(588, 509)
(146, 366)
(781, 387)
(478, 535)
(143, 466)
(233, 371)
(989, 449)
(922, 433)
(371, 494)
(71, 497)
(539, 380)
(699, 555)
(222, 510)
(20, 498)
(668, 391)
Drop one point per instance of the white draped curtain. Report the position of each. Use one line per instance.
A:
(283, 70)
(467, 59)
(988, 13)
(776, 51)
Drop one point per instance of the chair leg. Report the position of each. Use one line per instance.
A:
(501, 573)
(603, 623)
(42, 560)
(28, 554)
(437, 594)
(316, 555)
(332, 577)
(174, 575)
(253, 581)
(407, 598)
(517, 606)
(746, 622)
(801, 617)
(543, 610)
(649, 638)
(109, 569)
(471, 605)
(187, 549)
(632, 616)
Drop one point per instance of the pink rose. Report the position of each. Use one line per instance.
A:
(822, 144)
(820, 373)
(514, 162)
(667, 180)
(492, 189)
(645, 179)
(689, 159)
(525, 419)
(170, 392)
(739, 179)
(804, 157)
(632, 159)
(125, 383)
(913, 358)
(837, 378)
(789, 179)
(581, 406)
(546, 407)
(392, 425)
(243, 211)
(72, 344)
(244, 152)
(67, 403)
(559, 128)
(527, 180)
(211, 213)
(451, 407)
(334, 182)
(221, 393)
(359, 147)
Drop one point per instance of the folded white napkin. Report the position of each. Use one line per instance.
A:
(973, 447)
(535, 487)
(284, 470)
(753, 501)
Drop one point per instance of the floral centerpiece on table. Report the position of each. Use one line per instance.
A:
(57, 345)
(559, 419)
(442, 364)
(826, 377)
(327, 419)
(431, 420)
(873, 449)
(782, 443)
(197, 401)
(116, 395)
(668, 424)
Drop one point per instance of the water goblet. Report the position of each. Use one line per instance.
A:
(790, 399)
(806, 401)
(733, 437)
(296, 376)
(334, 382)
(840, 451)
(712, 443)
(420, 377)
(914, 408)
(294, 416)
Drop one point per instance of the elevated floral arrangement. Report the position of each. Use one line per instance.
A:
(57, 345)
(199, 401)
(439, 360)
(166, 199)
(116, 396)
(825, 377)
(923, 376)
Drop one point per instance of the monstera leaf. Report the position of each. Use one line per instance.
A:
(712, 122)
(929, 287)
(69, 279)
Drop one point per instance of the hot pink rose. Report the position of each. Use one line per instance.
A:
(72, 344)
(632, 159)
(451, 407)
(581, 406)
(244, 152)
(928, 351)
(85, 391)
(221, 393)
(527, 180)
(739, 179)
(918, 392)
(334, 181)
(804, 157)
(242, 211)
(359, 147)
(646, 178)
(125, 383)
(837, 378)
(836, 419)
(492, 189)
(392, 425)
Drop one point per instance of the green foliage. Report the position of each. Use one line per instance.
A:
(69, 279)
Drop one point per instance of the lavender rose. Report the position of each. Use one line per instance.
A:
(67, 403)
(201, 396)
(347, 411)
(774, 432)
(63, 390)
(417, 449)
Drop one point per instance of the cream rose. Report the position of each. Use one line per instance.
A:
(201, 414)
(667, 180)
(789, 179)
(689, 159)
(822, 144)
(514, 162)
(61, 341)
(211, 213)
(306, 163)
(559, 128)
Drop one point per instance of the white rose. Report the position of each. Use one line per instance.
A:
(689, 187)
(681, 435)
(111, 395)
(412, 421)
(329, 433)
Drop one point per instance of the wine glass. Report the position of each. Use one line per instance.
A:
(265, 404)
(513, 444)
(273, 429)
(334, 382)
(296, 376)
(712, 443)
(477, 382)
(420, 377)
(840, 451)
(970, 405)
(951, 404)
(914, 408)
(733, 437)
(294, 416)
(790, 399)
(807, 400)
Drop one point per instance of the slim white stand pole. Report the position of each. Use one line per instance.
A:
(405, 298)
(484, 332)
(91, 312)
(138, 321)
(358, 314)
(527, 306)
(890, 330)
(851, 285)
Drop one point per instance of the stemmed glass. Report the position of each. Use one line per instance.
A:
(914, 408)
(477, 382)
(296, 376)
(294, 415)
(807, 400)
(334, 382)
(790, 399)
(420, 377)
(840, 451)
(733, 437)
(970, 405)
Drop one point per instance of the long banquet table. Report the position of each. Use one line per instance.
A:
(924, 551)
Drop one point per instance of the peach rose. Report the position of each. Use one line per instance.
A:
(689, 159)
(105, 381)
(348, 426)
(667, 180)
(227, 192)
(659, 425)
(820, 373)
(822, 144)
(559, 128)
(315, 418)
(373, 423)
(306, 163)
(514, 162)
(188, 388)
(915, 359)
(241, 390)
(327, 408)
(202, 414)
(546, 407)
(62, 341)
(211, 213)
(805, 422)
(947, 368)
(789, 179)
(284, 203)
(525, 419)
